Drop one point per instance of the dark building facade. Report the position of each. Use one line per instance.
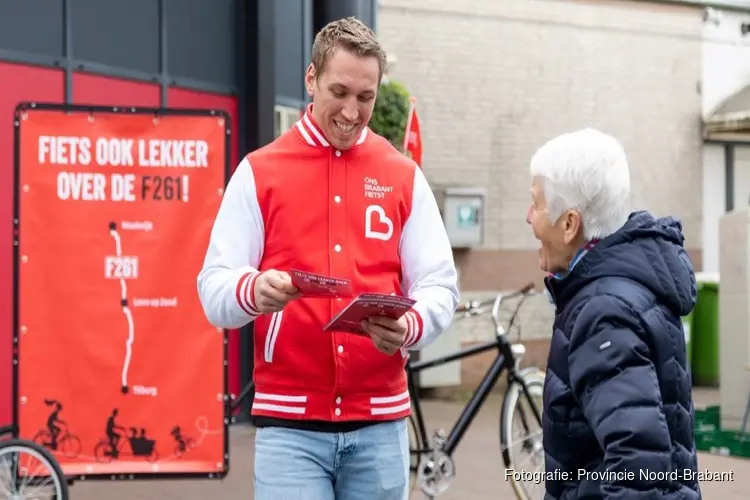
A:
(246, 57)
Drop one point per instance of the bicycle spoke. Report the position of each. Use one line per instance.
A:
(31, 484)
(46, 481)
(26, 473)
(530, 457)
(9, 482)
(522, 439)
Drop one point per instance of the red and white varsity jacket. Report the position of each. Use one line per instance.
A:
(366, 214)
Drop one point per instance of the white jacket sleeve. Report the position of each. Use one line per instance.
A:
(235, 248)
(428, 269)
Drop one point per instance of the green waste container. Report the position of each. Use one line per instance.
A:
(705, 331)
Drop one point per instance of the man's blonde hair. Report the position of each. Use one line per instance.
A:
(349, 34)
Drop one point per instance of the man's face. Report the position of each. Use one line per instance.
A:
(343, 96)
(559, 239)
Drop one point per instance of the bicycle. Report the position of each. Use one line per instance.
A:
(67, 443)
(38, 471)
(432, 465)
(139, 447)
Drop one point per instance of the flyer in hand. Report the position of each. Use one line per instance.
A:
(316, 285)
(365, 306)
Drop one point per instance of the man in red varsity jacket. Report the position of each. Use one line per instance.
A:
(330, 197)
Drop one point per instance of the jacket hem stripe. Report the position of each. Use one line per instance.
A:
(298, 410)
(281, 403)
(390, 404)
(280, 397)
(388, 410)
(319, 406)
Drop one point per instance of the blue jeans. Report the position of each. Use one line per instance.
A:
(367, 464)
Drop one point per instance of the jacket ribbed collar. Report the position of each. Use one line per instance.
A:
(312, 134)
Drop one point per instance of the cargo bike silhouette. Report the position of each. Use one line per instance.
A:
(140, 446)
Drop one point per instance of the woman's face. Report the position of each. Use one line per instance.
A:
(558, 240)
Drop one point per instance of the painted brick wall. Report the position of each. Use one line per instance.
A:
(494, 80)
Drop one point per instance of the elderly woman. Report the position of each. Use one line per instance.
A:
(618, 407)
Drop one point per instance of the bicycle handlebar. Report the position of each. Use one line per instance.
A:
(476, 307)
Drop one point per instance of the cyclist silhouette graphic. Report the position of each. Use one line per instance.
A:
(182, 443)
(112, 434)
(177, 434)
(55, 435)
(110, 448)
(53, 420)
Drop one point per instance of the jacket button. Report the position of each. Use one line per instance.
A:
(337, 199)
(338, 401)
(337, 412)
(338, 153)
(337, 248)
(340, 349)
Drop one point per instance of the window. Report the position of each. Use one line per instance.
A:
(32, 26)
(131, 42)
(284, 118)
(201, 40)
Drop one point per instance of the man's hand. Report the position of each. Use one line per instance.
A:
(387, 334)
(274, 290)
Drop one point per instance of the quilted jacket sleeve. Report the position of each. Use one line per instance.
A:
(614, 380)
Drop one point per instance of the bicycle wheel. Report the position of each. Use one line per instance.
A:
(71, 445)
(414, 456)
(521, 435)
(29, 471)
(103, 452)
(42, 438)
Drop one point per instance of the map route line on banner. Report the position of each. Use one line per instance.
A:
(125, 308)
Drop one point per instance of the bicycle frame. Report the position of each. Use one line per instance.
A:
(506, 359)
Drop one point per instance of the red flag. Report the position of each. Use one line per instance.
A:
(413, 135)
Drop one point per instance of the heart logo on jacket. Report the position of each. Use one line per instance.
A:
(375, 222)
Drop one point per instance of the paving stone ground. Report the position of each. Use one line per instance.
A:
(479, 467)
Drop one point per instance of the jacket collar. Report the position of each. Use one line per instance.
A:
(552, 280)
(312, 134)
(580, 254)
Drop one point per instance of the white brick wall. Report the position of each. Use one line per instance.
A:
(495, 79)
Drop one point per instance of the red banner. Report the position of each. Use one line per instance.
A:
(413, 135)
(118, 371)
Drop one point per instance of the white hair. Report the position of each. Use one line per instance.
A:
(586, 171)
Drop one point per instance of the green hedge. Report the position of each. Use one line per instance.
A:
(390, 113)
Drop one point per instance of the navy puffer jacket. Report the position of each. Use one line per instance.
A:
(618, 413)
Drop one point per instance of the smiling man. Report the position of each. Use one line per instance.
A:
(330, 197)
(617, 396)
